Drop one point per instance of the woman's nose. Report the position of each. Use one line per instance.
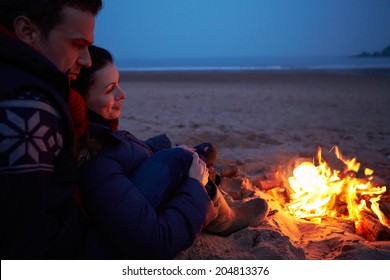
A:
(120, 94)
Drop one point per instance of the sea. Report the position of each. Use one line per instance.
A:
(266, 63)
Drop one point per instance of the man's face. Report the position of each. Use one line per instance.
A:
(67, 43)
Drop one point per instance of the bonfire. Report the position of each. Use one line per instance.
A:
(339, 189)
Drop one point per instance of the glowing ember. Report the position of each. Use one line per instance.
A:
(319, 191)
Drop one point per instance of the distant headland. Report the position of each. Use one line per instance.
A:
(384, 53)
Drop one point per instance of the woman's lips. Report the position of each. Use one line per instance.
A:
(119, 107)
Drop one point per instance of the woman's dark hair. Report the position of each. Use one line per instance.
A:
(100, 58)
(44, 13)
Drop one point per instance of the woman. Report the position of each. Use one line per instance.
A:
(147, 200)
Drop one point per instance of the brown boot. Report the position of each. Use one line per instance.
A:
(207, 152)
(230, 220)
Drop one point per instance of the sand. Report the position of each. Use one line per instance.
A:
(261, 122)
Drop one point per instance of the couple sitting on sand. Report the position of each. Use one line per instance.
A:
(145, 198)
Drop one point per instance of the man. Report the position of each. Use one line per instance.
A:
(43, 45)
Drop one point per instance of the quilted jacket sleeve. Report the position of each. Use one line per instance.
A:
(130, 223)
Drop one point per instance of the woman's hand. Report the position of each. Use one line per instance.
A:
(198, 170)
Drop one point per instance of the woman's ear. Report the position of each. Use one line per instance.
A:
(26, 31)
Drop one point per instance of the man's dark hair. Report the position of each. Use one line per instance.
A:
(44, 13)
(100, 58)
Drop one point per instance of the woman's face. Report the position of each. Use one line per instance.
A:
(104, 96)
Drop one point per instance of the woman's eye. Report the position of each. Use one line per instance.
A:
(110, 90)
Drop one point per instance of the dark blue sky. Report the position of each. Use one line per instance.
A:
(207, 28)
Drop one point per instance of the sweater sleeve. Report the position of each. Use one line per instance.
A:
(131, 224)
(31, 136)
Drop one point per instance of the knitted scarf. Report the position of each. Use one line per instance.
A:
(77, 110)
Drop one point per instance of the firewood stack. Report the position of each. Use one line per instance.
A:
(369, 226)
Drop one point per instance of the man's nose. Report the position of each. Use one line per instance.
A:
(84, 59)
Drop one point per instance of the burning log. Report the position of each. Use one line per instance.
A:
(333, 162)
(372, 229)
(385, 208)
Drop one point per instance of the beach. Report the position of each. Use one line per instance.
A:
(261, 121)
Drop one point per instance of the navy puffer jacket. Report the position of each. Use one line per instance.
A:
(125, 220)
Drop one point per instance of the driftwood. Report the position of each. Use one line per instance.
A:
(267, 184)
(371, 228)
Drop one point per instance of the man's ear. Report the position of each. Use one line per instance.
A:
(26, 31)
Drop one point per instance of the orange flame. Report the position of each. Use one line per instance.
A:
(318, 191)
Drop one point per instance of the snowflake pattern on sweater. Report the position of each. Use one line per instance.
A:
(29, 135)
